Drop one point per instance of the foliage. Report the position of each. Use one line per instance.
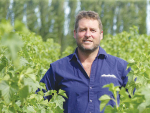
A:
(136, 50)
(24, 59)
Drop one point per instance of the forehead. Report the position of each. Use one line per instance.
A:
(84, 22)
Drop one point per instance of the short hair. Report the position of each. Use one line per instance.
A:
(88, 15)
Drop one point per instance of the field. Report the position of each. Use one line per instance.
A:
(24, 58)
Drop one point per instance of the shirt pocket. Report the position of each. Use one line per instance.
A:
(104, 80)
(107, 79)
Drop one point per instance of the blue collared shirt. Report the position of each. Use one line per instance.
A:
(84, 92)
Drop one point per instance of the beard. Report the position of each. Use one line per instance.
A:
(87, 50)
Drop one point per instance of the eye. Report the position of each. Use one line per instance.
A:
(81, 30)
(93, 30)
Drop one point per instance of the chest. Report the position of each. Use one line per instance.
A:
(87, 68)
(83, 76)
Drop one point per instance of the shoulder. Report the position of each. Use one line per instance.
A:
(62, 62)
(113, 60)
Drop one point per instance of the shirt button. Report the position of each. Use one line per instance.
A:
(90, 100)
(90, 87)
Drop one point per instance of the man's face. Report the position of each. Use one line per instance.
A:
(88, 35)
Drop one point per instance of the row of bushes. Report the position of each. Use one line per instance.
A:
(25, 57)
(135, 49)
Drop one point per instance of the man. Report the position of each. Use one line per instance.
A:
(83, 73)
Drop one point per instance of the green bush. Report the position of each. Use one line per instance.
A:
(135, 49)
(24, 59)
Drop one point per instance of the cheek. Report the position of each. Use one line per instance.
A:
(78, 38)
(96, 36)
(81, 34)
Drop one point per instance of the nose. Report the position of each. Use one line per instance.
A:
(88, 33)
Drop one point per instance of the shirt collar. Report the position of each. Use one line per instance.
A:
(101, 54)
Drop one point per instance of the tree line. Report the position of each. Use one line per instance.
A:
(48, 17)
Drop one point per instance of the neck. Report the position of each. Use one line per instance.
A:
(87, 56)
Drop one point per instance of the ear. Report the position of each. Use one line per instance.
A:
(101, 35)
(75, 34)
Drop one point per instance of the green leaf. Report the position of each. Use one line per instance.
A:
(7, 91)
(62, 92)
(146, 110)
(50, 92)
(58, 110)
(33, 86)
(104, 100)
(1, 106)
(142, 106)
(44, 102)
(131, 86)
(13, 42)
(23, 61)
(24, 92)
(130, 76)
(58, 100)
(146, 93)
(28, 109)
(113, 89)
(39, 96)
(123, 93)
(6, 77)
(30, 73)
(3, 62)
(110, 109)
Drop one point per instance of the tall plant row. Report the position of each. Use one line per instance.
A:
(24, 59)
(135, 49)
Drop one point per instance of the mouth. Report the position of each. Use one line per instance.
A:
(87, 41)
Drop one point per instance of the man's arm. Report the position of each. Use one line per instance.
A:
(49, 81)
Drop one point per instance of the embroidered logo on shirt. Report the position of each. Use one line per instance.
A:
(113, 76)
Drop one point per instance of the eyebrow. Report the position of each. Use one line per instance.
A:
(86, 28)
(82, 28)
